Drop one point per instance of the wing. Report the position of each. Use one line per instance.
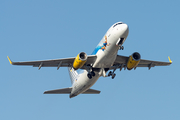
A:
(122, 60)
(65, 62)
(150, 63)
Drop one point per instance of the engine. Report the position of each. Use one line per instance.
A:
(133, 60)
(80, 60)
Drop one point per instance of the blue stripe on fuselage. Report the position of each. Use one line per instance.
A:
(96, 50)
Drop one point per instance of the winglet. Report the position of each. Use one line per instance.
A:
(9, 60)
(169, 59)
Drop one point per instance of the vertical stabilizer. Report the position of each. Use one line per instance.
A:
(73, 74)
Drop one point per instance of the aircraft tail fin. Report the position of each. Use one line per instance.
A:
(59, 91)
(73, 74)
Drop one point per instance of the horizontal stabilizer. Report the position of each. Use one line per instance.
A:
(91, 91)
(59, 91)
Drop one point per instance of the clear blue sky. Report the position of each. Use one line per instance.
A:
(49, 29)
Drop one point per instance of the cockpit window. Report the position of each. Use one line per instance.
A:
(117, 24)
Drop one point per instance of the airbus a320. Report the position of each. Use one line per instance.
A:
(103, 61)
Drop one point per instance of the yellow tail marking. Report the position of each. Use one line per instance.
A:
(9, 60)
(169, 59)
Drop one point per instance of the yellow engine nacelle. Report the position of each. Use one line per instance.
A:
(133, 60)
(80, 60)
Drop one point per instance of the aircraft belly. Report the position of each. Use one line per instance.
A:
(106, 53)
(84, 83)
(106, 58)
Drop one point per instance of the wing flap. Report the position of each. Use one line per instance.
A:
(59, 91)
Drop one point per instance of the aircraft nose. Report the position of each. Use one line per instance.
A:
(125, 29)
(124, 26)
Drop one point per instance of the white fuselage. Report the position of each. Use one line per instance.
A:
(106, 53)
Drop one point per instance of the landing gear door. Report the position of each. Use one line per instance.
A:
(120, 41)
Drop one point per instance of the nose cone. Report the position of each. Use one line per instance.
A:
(125, 29)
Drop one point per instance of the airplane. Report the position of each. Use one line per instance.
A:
(103, 59)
